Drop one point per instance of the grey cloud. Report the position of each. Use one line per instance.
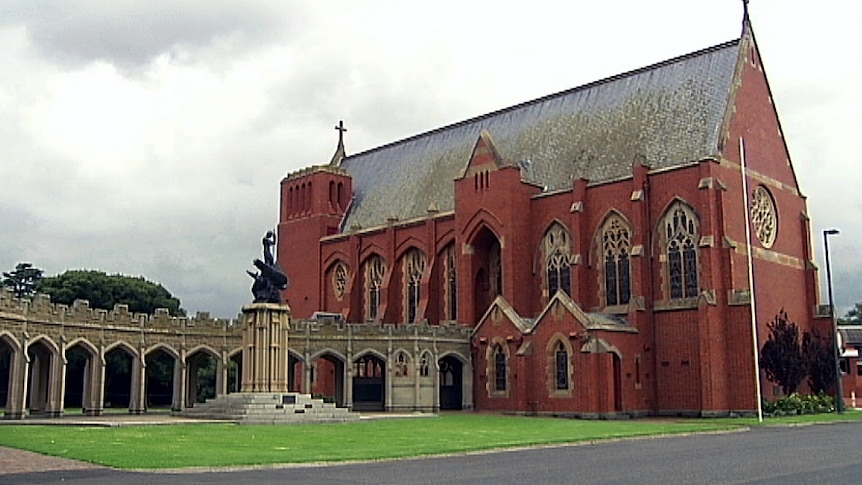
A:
(130, 33)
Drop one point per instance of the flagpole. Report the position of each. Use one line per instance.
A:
(752, 306)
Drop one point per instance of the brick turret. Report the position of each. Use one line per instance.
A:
(313, 204)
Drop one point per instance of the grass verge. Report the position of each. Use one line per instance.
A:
(225, 445)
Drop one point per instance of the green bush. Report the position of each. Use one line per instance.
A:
(796, 404)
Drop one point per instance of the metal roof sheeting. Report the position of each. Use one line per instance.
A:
(670, 113)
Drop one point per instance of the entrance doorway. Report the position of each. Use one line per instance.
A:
(451, 383)
(369, 378)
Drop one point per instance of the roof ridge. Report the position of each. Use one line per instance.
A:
(547, 97)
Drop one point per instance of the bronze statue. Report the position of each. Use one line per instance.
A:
(271, 280)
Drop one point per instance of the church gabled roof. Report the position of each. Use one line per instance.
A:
(670, 113)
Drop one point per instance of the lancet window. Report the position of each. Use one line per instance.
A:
(499, 368)
(375, 269)
(561, 367)
(414, 267)
(450, 288)
(681, 238)
(557, 251)
(401, 361)
(616, 251)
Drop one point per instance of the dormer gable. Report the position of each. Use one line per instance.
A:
(561, 305)
(484, 158)
(501, 311)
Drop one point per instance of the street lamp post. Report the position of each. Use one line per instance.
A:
(839, 392)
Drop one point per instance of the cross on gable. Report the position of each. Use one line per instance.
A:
(341, 129)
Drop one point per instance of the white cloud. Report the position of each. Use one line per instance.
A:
(150, 137)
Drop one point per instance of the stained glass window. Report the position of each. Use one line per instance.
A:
(414, 266)
(499, 368)
(558, 255)
(561, 358)
(681, 232)
(375, 270)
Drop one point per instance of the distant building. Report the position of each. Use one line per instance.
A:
(593, 241)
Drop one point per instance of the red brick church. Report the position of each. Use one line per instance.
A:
(592, 241)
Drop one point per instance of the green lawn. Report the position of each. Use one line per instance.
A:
(221, 445)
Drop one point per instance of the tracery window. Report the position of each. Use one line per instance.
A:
(375, 269)
(561, 361)
(681, 232)
(401, 364)
(339, 281)
(424, 369)
(499, 368)
(558, 255)
(450, 289)
(368, 366)
(616, 250)
(764, 217)
(414, 267)
(447, 374)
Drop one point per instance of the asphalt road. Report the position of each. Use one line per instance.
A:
(821, 454)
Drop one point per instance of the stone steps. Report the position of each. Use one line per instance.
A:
(269, 408)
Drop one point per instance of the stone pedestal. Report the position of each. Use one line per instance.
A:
(264, 341)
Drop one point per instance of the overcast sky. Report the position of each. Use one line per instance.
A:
(149, 137)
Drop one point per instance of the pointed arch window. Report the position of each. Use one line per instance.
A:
(414, 267)
(424, 368)
(499, 368)
(450, 289)
(681, 233)
(616, 251)
(561, 367)
(401, 361)
(495, 265)
(375, 269)
(557, 251)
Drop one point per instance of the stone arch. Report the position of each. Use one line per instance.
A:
(11, 366)
(369, 380)
(83, 376)
(44, 378)
(295, 371)
(454, 374)
(122, 344)
(162, 377)
(327, 375)
(122, 364)
(234, 370)
(203, 368)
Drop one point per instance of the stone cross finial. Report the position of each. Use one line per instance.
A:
(341, 129)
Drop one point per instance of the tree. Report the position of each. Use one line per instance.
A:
(104, 291)
(23, 280)
(820, 360)
(853, 316)
(781, 355)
